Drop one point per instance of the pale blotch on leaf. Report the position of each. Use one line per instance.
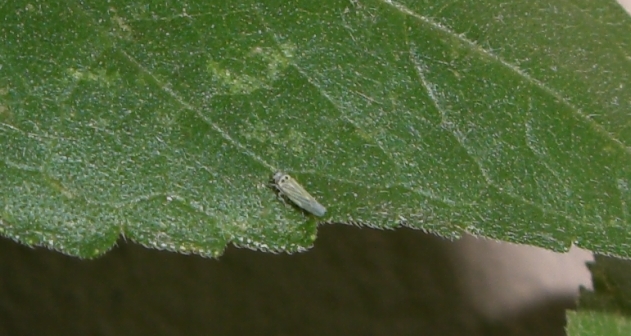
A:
(238, 81)
(99, 76)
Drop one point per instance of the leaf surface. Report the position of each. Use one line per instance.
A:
(164, 121)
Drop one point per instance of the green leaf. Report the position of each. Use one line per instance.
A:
(588, 323)
(611, 278)
(164, 121)
(606, 309)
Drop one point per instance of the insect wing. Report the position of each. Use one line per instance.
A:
(297, 194)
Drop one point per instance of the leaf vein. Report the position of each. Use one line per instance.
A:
(597, 127)
(429, 87)
(224, 134)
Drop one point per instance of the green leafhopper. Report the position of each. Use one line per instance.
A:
(289, 187)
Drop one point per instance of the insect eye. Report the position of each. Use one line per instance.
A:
(284, 179)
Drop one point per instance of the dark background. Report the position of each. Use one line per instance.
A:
(355, 281)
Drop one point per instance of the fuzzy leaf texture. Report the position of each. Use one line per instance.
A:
(164, 120)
